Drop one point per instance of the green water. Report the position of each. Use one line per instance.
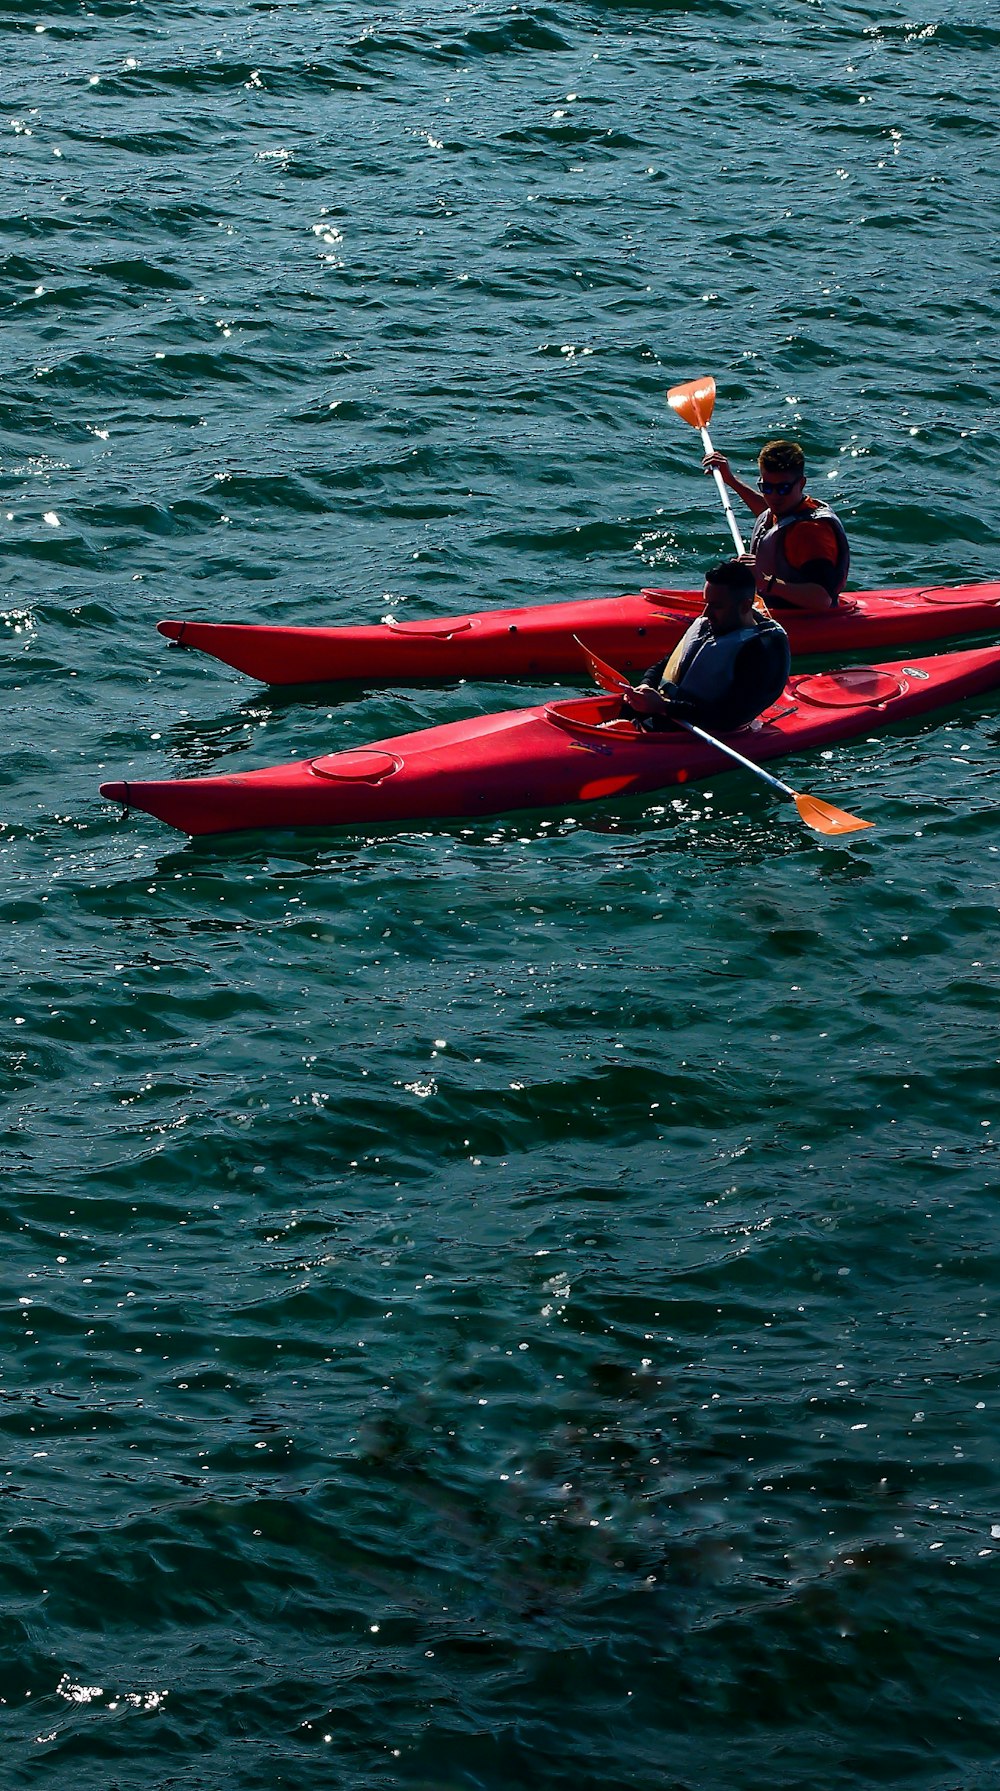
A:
(509, 1304)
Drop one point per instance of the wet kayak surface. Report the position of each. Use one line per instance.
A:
(543, 756)
(631, 631)
(509, 1301)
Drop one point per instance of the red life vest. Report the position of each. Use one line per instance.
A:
(770, 539)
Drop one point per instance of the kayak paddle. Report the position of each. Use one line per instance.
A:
(695, 402)
(602, 673)
(821, 816)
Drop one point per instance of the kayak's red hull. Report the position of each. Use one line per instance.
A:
(548, 755)
(629, 632)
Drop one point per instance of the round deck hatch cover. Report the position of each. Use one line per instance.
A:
(857, 684)
(365, 766)
(943, 594)
(438, 628)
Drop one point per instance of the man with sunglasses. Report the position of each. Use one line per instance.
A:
(799, 547)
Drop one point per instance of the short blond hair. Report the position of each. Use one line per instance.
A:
(782, 457)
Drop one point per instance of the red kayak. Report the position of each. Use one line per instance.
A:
(629, 632)
(553, 754)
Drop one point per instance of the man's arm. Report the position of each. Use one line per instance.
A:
(754, 501)
(807, 595)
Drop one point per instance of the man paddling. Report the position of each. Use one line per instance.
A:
(799, 547)
(731, 663)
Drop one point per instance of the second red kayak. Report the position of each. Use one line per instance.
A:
(552, 754)
(630, 632)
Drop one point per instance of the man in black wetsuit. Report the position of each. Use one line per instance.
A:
(732, 662)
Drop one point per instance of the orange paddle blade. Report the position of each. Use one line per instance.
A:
(603, 674)
(827, 819)
(694, 401)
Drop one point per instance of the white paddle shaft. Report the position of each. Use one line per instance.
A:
(737, 757)
(734, 527)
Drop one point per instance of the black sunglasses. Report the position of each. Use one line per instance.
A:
(777, 487)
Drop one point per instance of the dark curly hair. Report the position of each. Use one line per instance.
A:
(734, 576)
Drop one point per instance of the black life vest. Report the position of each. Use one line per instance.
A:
(703, 665)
